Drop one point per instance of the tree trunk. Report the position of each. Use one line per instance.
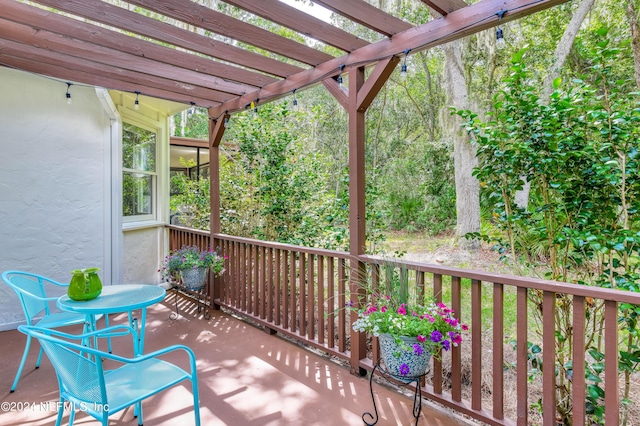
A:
(560, 57)
(564, 47)
(632, 17)
(464, 152)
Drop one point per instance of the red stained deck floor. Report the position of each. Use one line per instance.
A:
(246, 376)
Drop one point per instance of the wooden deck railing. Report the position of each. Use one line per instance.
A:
(301, 292)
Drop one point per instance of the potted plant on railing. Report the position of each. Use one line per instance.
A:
(190, 265)
(409, 333)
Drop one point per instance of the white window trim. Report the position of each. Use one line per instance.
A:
(154, 219)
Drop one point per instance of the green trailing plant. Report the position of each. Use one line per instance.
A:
(191, 257)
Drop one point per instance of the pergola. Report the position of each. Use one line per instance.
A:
(226, 65)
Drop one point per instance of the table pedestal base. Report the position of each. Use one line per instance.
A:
(370, 419)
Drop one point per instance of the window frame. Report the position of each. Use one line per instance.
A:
(155, 175)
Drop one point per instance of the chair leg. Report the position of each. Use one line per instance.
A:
(39, 357)
(72, 416)
(24, 359)
(60, 412)
(196, 401)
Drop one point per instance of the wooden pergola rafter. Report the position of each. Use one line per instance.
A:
(214, 60)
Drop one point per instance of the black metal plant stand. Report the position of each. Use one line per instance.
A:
(201, 296)
(417, 395)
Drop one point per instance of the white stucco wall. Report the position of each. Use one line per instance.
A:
(55, 182)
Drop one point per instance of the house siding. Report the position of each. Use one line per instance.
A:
(55, 170)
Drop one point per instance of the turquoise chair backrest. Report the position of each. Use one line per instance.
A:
(27, 286)
(81, 377)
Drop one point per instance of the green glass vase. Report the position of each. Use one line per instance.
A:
(85, 284)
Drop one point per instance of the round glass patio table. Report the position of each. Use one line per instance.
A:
(115, 299)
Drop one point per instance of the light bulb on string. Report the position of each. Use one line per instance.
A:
(295, 100)
(500, 42)
(136, 104)
(68, 93)
(340, 81)
(192, 110)
(403, 67)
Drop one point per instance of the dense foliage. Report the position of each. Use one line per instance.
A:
(579, 152)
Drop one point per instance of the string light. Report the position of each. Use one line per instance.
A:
(403, 67)
(295, 100)
(136, 104)
(340, 83)
(500, 42)
(193, 108)
(68, 93)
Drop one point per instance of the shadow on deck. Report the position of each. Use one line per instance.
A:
(246, 377)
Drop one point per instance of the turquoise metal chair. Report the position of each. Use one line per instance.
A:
(100, 393)
(32, 292)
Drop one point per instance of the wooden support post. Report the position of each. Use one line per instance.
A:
(356, 101)
(217, 126)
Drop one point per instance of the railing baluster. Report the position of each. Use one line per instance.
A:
(456, 356)
(321, 306)
(285, 288)
(311, 314)
(269, 283)
(548, 360)
(261, 294)
(331, 303)
(437, 361)
(611, 396)
(375, 284)
(578, 382)
(522, 360)
(342, 280)
(476, 345)
(498, 349)
(242, 285)
(292, 290)
(302, 289)
(278, 289)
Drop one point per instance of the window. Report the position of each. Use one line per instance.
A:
(139, 176)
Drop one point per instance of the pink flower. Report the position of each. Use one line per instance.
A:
(383, 309)
(421, 338)
(402, 310)
(456, 339)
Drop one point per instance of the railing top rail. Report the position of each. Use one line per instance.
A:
(512, 280)
(269, 244)
(189, 230)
